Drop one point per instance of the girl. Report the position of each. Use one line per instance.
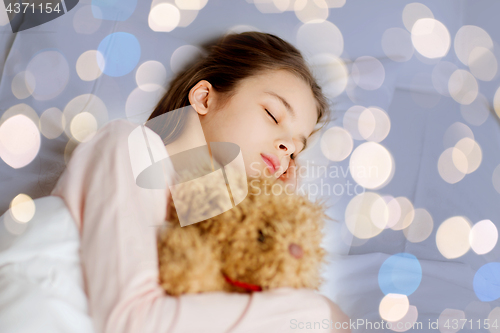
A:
(252, 89)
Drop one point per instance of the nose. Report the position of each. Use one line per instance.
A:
(295, 250)
(286, 146)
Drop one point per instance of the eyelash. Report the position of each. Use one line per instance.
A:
(270, 114)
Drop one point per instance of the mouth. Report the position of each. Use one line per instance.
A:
(271, 161)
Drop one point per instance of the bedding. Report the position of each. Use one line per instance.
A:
(41, 282)
(420, 111)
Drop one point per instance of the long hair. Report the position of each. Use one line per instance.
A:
(228, 60)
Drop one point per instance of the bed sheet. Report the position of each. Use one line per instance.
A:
(41, 282)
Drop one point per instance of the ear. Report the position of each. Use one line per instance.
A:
(200, 96)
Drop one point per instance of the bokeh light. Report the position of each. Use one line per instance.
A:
(494, 319)
(51, 72)
(405, 323)
(483, 64)
(84, 21)
(477, 310)
(239, 28)
(4, 18)
(23, 85)
(83, 126)
(496, 102)
(413, 12)
(191, 4)
(447, 165)
(452, 237)
(84, 103)
(351, 121)
(336, 144)
(448, 318)
(164, 17)
(272, 6)
(22, 208)
(358, 217)
(496, 178)
(349, 239)
(89, 64)
(183, 56)
(401, 273)
(51, 123)
(140, 104)
(430, 38)
(19, 141)
(394, 307)
(374, 124)
(331, 73)
(469, 37)
(456, 132)
(121, 52)
(316, 38)
(12, 226)
(405, 210)
(311, 11)
(380, 213)
(476, 112)
(335, 3)
(421, 227)
(467, 155)
(371, 165)
(151, 75)
(397, 45)
(487, 282)
(483, 237)
(463, 87)
(17, 109)
(368, 73)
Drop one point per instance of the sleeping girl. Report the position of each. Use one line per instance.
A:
(252, 89)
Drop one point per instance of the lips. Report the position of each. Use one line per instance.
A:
(271, 161)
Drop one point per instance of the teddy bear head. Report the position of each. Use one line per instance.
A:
(269, 240)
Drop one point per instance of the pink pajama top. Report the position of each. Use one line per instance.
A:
(118, 221)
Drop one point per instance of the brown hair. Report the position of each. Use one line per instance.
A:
(229, 60)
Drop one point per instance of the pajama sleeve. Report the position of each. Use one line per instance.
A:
(118, 221)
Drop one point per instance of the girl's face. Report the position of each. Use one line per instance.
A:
(269, 117)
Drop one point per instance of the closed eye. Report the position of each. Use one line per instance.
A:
(270, 114)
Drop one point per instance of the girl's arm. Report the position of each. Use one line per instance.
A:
(117, 221)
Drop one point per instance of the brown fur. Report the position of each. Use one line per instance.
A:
(248, 243)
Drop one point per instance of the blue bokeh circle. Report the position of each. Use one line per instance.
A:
(487, 282)
(401, 273)
(121, 52)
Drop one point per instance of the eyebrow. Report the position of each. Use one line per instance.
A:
(292, 113)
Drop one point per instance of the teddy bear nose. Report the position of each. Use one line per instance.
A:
(295, 250)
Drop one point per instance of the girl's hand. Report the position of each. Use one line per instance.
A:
(289, 178)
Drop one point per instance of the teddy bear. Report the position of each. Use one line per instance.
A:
(269, 240)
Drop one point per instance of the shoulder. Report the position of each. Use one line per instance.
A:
(111, 139)
(117, 129)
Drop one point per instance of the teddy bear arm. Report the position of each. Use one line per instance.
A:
(188, 264)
